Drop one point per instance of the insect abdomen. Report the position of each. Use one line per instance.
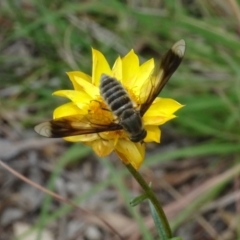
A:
(121, 105)
(114, 95)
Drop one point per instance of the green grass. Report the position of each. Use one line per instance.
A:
(57, 36)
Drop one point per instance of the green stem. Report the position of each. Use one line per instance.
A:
(152, 197)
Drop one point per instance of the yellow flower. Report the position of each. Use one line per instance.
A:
(86, 98)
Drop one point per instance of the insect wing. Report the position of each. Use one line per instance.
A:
(153, 86)
(73, 126)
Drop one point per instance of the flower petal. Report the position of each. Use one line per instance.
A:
(117, 69)
(130, 152)
(80, 98)
(153, 134)
(157, 120)
(99, 66)
(161, 111)
(143, 74)
(82, 138)
(83, 83)
(101, 147)
(130, 66)
(76, 77)
(164, 105)
(67, 109)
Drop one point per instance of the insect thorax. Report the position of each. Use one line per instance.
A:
(131, 122)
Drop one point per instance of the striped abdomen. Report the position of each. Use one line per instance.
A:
(121, 105)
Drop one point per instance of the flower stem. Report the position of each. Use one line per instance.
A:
(166, 230)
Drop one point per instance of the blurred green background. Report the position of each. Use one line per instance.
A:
(41, 40)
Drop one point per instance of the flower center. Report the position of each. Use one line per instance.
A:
(100, 114)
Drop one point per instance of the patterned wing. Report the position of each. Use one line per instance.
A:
(169, 63)
(73, 126)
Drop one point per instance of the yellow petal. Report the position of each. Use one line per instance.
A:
(164, 105)
(82, 83)
(130, 67)
(76, 78)
(130, 152)
(157, 120)
(80, 98)
(82, 138)
(161, 111)
(67, 109)
(145, 70)
(153, 134)
(117, 69)
(100, 66)
(101, 147)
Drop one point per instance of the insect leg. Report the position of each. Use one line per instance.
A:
(100, 103)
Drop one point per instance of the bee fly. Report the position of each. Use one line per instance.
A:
(118, 101)
(121, 105)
